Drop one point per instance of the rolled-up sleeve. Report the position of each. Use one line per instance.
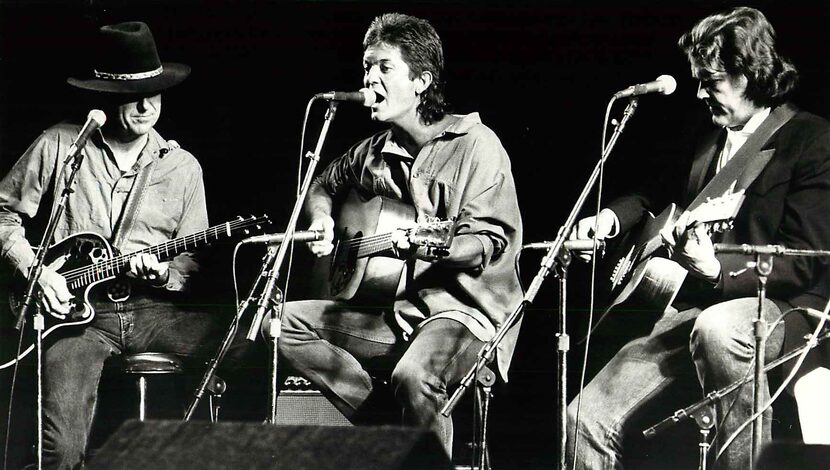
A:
(21, 191)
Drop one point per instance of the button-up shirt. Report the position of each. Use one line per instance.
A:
(173, 204)
(463, 172)
(735, 139)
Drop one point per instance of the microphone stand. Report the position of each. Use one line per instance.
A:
(38, 322)
(273, 273)
(270, 272)
(213, 364)
(763, 267)
(488, 351)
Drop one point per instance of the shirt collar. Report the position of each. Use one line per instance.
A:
(753, 123)
(458, 128)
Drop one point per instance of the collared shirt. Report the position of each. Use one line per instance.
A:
(463, 172)
(735, 139)
(173, 204)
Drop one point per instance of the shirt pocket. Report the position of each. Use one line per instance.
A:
(433, 197)
(162, 210)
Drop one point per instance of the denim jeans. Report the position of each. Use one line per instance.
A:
(333, 344)
(74, 358)
(722, 344)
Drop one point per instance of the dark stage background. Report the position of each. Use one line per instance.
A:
(540, 74)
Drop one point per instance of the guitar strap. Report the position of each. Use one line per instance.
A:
(131, 207)
(748, 161)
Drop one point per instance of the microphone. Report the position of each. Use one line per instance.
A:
(570, 245)
(364, 96)
(745, 249)
(272, 238)
(665, 84)
(95, 119)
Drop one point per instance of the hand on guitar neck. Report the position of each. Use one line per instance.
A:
(404, 249)
(691, 247)
(147, 267)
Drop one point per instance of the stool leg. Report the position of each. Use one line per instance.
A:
(142, 397)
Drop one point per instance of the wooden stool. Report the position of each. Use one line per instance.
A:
(146, 364)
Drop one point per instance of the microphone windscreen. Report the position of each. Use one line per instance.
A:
(369, 97)
(98, 116)
(669, 84)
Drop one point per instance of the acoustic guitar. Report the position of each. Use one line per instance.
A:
(643, 274)
(362, 263)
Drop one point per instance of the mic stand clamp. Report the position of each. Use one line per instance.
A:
(486, 379)
(705, 421)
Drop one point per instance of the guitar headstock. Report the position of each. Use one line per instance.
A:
(252, 223)
(722, 208)
(433, 233)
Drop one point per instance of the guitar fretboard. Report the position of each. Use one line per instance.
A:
(368, 246)
(79, 277)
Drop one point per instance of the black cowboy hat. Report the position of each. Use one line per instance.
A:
(128, 62)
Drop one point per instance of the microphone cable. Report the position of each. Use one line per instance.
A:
(592, 290)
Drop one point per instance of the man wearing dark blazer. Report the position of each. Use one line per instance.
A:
(780, 157)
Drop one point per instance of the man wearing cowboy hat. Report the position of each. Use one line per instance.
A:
(126, 161)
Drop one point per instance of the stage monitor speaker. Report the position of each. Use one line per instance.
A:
(175, 445)
(779, 455)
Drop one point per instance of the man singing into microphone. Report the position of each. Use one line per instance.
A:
(446, 304)
(135, 189)
(781, 157)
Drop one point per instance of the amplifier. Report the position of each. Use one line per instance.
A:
(300, 403)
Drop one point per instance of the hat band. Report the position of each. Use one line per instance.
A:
(128, 76)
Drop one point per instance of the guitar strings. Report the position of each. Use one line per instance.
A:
(113, 264)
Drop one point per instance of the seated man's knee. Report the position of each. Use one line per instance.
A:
(723, 331)
(411, 380)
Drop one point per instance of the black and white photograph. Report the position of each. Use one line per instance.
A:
(469, 235)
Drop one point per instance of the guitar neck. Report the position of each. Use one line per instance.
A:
(120, 264)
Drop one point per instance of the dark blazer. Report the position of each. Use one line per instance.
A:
(788, 204)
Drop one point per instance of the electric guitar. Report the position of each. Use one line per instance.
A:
(644, 277)
(363, 231)
(86, 260)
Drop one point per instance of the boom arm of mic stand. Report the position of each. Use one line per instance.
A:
(715, 395)
(487, 352)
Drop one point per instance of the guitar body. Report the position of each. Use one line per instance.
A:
(640, 277)
(74, 252)
(643, 276)
(355, 272)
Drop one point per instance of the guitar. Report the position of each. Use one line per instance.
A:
(363, 230)
(86, 260)
(642, 276)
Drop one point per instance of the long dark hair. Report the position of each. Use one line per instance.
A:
(742, 42)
